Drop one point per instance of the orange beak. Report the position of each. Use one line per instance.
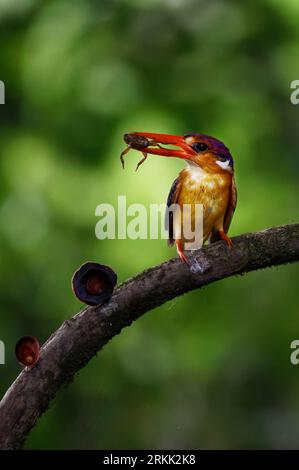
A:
(156, 140)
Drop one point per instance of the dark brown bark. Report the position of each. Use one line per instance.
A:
(78, 339)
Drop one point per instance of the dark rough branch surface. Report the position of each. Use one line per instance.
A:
(78, 339)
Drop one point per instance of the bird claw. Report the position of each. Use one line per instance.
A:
(225, 238)
(183, 257)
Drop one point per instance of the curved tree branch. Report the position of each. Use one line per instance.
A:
(78, 339)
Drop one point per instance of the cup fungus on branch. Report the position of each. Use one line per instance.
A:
(27, 351)
(93, 283)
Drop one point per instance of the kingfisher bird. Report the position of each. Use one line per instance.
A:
(208, 180)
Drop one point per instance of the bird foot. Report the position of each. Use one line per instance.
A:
(225, 238)
(195, 266)
(181, 253)
(183, 258)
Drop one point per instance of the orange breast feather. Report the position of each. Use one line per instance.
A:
(212, 190)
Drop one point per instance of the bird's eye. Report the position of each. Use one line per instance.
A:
(199, 147)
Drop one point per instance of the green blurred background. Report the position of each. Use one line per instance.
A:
(210, 369)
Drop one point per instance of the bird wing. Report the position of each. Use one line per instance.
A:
(172, 199)
(231, 206)
(232, 203)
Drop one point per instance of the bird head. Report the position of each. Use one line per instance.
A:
(197, 149)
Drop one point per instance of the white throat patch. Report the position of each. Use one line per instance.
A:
(195, 170)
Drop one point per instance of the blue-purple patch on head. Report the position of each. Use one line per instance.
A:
(205, 142)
